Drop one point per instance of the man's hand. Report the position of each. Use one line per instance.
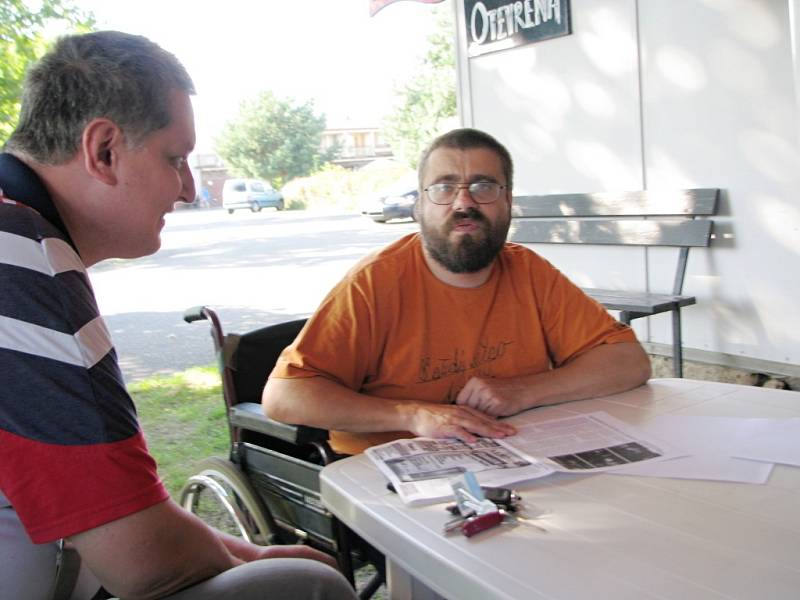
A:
(297, 551)
(462, 422)
(495, 397)
(247, 552)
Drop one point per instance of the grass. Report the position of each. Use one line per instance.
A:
(183, 419)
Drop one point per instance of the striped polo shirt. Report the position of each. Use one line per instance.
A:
(72, 456)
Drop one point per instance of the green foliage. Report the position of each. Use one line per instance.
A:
(183, 419)
(273, 139)
(330, 187)
(334, 187)
(22, 41)
(428, 101)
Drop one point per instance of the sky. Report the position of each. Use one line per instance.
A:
(328, 51)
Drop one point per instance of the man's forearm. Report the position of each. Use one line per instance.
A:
(319, 402)
(154, 552)
(603, 370)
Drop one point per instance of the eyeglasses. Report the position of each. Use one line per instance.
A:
(483, 192)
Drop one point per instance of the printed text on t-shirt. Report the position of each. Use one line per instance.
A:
(432, 369)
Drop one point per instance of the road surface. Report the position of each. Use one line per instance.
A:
(255, 269)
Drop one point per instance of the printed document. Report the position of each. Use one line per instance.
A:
(420, 469)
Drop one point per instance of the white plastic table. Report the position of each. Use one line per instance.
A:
(608, 536)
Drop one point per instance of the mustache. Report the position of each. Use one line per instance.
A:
(467, 213)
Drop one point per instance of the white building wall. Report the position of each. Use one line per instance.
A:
(655, 94)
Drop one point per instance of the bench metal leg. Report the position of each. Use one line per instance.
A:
(677, 344)
(626, 316)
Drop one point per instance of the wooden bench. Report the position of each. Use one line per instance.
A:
(645, 218)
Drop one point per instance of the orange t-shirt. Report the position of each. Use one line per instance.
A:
(391, 329)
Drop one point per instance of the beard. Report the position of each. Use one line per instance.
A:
(470, 252)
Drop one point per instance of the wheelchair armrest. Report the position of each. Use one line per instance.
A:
(249, 415)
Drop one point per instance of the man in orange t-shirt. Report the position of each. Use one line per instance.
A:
(441, 332)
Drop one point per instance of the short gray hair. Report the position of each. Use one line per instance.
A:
(465, 139)
(122, 77)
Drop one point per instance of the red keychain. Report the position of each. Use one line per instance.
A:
(475, 512)
(482, 522)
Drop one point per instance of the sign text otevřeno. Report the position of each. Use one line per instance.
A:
(498, 24)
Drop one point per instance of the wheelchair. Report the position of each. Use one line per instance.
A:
(267, 491)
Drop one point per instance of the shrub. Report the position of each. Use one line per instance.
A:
(336, 188)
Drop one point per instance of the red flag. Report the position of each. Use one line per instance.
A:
(376, 5)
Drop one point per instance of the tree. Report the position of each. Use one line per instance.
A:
(22, 41)
(429, 99)
(273, 139)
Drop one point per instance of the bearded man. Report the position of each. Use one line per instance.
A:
(443, 331)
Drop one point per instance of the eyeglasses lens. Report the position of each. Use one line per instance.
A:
(483, 192)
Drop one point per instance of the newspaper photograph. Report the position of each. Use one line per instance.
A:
(590, 442)
(421, 469)
(422, 458)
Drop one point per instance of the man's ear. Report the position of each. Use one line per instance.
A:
(100, 143)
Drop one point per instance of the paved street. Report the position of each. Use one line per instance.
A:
(253, 268)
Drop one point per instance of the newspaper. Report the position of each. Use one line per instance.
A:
(421, 469)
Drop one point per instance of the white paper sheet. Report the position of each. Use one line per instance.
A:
(711, 444)
(778, 442)
(709, 467)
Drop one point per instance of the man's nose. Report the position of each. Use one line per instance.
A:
(463, 199)
(188, 190)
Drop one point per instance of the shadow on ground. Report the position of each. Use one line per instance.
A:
(164, 344)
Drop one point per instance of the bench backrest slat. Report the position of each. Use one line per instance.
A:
(643, 218)
(694, 202)
(623, 232)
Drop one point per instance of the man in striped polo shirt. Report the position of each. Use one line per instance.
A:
(97, 160)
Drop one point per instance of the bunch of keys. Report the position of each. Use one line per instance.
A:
(504, 498)
(478, 509)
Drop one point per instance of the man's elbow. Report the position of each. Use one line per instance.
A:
(273, 401)
(270, 401)
(641, 369)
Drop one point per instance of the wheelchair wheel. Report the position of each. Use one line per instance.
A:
(222, 497)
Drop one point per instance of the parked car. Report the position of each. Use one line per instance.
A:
(395, 202)
(250, 193)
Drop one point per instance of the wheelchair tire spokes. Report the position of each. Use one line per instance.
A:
(221, 496)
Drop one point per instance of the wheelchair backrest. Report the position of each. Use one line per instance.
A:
(250, 357)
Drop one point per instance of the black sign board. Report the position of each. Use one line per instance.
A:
(499, 24)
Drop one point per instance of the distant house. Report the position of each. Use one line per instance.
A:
(358, 146)
(210, 173)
